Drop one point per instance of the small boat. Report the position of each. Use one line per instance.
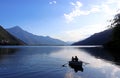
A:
(77, 66)
(75, 63)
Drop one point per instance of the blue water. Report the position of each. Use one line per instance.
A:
(47, 61)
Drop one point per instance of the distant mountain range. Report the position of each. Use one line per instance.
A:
(7, 39)
(97, 38)
(32, 39)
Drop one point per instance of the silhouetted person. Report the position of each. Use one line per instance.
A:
(76, 58)
(73, 59)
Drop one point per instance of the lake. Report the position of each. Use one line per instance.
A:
(48, 61)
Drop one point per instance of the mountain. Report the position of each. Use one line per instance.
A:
(69, 42)
(32, 39)
(7, 39)
(113, 46)
(96, 39)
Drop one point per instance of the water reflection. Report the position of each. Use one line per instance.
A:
(98, 52)
(45, 62)
(98, 67)
(7, 51)
(115, 54)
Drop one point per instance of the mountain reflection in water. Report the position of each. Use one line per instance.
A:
(47, 61)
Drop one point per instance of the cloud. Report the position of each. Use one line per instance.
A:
(117, 2)
(109, 7)
(78, 12)
(106, 8)
(52, 2)
(80, 33)
(84, 32)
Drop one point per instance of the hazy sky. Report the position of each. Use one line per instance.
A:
(68, 20)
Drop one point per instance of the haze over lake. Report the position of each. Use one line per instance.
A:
(47, 61)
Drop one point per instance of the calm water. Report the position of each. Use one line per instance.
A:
(46, 62)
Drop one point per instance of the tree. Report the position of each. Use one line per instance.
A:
(115, 24)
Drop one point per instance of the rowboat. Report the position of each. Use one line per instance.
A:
(77, 66)
(74, 63)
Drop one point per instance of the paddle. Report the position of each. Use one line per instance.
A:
(85, 63)
(64, 64)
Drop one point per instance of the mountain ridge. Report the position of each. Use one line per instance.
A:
(32, 39)
(97, 38)
(7, 39)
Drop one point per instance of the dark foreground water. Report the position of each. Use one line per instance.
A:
(47, 61)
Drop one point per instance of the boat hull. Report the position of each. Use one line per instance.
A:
(77, 66)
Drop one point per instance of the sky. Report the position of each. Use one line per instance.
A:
(68, 20)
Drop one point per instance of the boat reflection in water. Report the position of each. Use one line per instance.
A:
(77, 66)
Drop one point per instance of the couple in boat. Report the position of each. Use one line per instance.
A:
(74, 59)
(75, 64)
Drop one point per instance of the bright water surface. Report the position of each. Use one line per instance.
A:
(47, 61)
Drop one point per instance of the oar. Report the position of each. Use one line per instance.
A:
(64, 64)
(84, 62)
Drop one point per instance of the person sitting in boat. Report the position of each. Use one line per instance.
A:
(73, 59)
(76, 59)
